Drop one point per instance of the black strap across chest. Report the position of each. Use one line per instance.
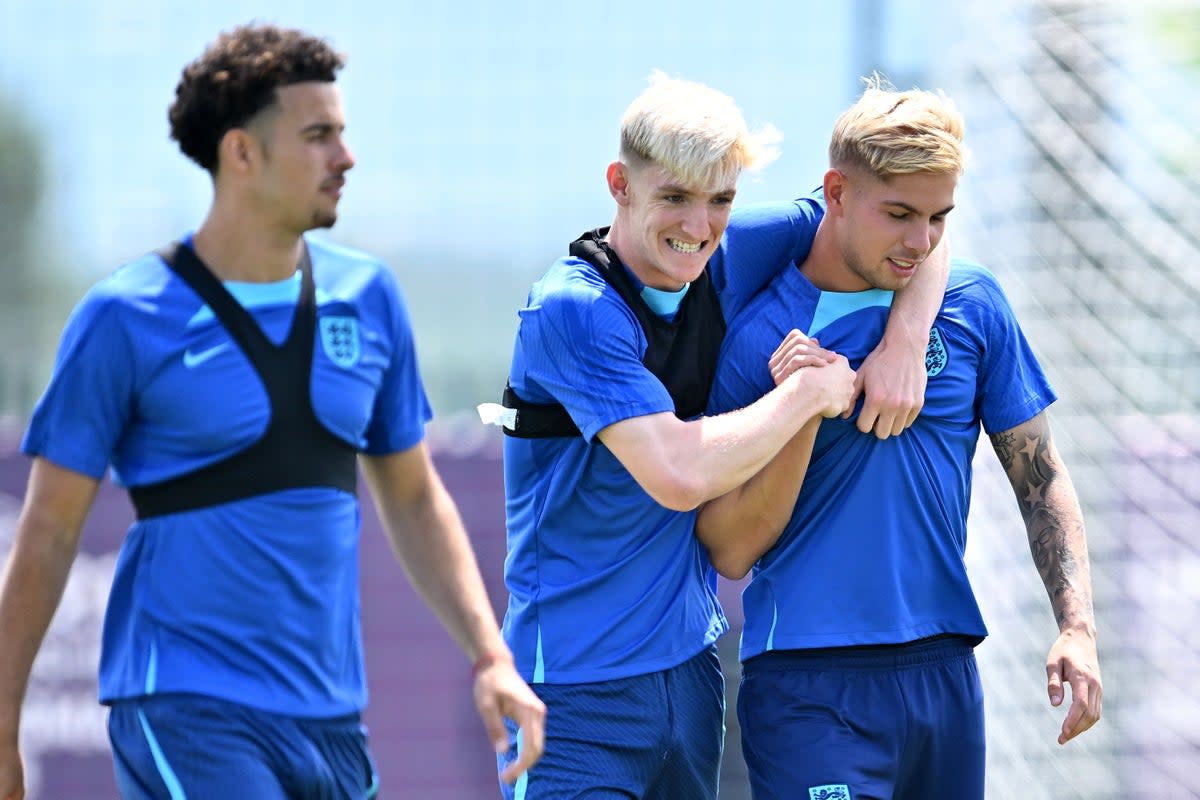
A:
(296, 450)
(681, 353)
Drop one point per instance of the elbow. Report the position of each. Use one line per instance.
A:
(677, 490)
(727, 558)
(729, 565)
(682, 497)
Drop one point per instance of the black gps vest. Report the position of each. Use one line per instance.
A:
(296, 450)
(682, 353)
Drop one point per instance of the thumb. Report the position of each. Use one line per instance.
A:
(858, 390)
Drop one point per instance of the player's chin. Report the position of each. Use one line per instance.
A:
(894, 283)
(324, 219)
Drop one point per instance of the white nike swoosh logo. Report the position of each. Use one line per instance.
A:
(191, 360)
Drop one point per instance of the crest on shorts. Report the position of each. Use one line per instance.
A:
(339, 338)
(935, 355)
(832, 791)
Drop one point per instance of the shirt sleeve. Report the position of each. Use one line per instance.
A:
(88, 401)
(762, 239)
(401, 408)
(582, 346)
(1013, 388)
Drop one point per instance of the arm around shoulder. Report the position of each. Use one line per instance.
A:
(893, 376)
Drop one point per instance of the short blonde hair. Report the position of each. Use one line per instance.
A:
(694, 132)
(894, 133)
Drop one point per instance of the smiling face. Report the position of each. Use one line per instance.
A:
(885, 227)
(301, 159)
(665, 231)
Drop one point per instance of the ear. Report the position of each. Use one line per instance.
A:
(236, 150)
(836, 186)
(618, 182)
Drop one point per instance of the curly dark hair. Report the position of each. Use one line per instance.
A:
(236, 77)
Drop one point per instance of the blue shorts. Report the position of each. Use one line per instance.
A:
(176, 746)
(900, 722)
(650, 737)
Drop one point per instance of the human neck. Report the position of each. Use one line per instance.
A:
(825, 268)
(236, 248)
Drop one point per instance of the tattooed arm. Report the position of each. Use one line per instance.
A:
(1054, 523)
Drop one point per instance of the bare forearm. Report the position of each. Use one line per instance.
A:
(735, 447)
(741, 525)
(431, 544)
(685, 464)
(1053, 521)
(916, 305)
(34, 580)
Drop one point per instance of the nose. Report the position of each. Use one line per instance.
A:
(695, 221)
(918, 238)
(344, 159)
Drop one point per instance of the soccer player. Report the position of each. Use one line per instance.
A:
(235, 381)
(859, 678)
(612, 612)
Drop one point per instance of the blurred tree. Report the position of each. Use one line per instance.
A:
(1175, 30)
(1178, 27)
(22, 269)
(21, 188)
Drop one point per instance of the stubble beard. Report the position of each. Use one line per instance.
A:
(323, 219)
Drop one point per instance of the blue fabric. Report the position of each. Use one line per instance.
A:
(873, 552)
(186, 747)
(895, 723)
(603, 582)
(255, 601)
(653, 737)
(665, 304)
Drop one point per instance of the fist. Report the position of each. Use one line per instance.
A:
(834, 383)
(795, 352)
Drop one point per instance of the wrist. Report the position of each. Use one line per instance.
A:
(903, 333)
(488, 658)
(1079, 627)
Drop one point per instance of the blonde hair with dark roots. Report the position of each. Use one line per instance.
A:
(890, 132)
(694, 132)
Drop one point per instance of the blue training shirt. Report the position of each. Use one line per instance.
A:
(604, 582)
(254, 601)
(873, 553)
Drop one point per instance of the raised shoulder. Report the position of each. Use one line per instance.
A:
(574, 293)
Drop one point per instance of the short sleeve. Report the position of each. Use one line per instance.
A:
(90, 396)
(402, 407)
(761, 241)
(582, 346)
(1013, 388)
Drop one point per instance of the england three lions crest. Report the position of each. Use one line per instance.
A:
(339, 338)
(935, 355)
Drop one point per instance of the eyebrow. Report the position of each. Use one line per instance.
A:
(914, 210)
(673, 188)
(321, 127)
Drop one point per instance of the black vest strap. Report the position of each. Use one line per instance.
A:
(296, 450)
(682, 353)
